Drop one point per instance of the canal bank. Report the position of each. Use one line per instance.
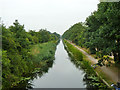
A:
(105, 73)
(63, 73)
(92, 78)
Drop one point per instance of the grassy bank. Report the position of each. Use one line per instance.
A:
(91, 79)
(43, 53)
(100, 70)
(18, 59)
(41, 58)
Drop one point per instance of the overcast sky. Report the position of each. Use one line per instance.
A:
(54, 15)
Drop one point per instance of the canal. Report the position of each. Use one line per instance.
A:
(63, 73)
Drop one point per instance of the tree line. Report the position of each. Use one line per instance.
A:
(17, 59)
(100, 32)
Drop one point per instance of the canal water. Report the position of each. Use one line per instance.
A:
(63, 73)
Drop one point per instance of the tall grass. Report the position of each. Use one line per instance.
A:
(43, 52)
(42, 57)
(91, 79)
(76, 53)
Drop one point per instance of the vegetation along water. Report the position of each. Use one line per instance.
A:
(24, 53)
(31, 58)
(92, 80)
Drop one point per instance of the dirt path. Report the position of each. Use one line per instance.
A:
(111, 74)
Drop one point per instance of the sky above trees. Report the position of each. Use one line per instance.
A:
(53, 15)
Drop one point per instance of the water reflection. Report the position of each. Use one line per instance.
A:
(28, 83)
(91, 79)
(63, 73)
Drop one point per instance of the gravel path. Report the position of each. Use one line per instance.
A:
(111, 74)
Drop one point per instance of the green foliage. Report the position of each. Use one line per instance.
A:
(43, 52)
(42, 36)
(105, 28)
(17, 60)
(75, 33)
(101, 32)
(75, 52)
(92, 80)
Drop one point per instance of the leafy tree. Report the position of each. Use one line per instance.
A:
(17, 61)
(101, 33)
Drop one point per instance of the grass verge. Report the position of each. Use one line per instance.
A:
(92, 80)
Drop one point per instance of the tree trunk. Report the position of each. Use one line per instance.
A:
(118, 51)
(118, 57)
(115, 56)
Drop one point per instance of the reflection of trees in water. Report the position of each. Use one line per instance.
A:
(91, 80)
(27, 83)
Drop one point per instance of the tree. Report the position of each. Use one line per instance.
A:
(101, 34)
